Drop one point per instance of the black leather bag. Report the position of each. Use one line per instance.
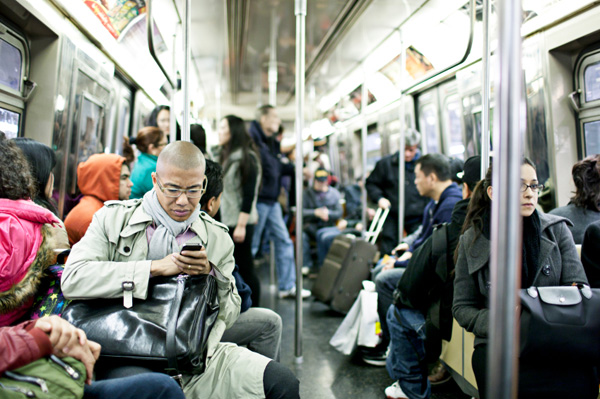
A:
(167, 332)
(560, 323)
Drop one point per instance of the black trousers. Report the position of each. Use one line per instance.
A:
(543, 380)
(242, 253)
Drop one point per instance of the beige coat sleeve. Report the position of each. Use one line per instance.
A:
(96, 268)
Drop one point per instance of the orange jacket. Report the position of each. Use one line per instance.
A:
(98, 179)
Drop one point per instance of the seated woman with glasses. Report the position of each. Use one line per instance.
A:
(549, 259)
(150, 141)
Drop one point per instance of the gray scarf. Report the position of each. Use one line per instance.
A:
(163, 240)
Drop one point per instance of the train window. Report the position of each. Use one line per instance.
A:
(428, 123)
(9, 122)
(11, 65)
(591, 78)
(591, 131)
(452, 116)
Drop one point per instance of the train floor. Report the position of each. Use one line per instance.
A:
(326, 373)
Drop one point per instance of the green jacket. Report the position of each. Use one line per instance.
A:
(114, 249)
(141, 176)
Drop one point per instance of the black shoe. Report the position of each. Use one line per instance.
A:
(375, 356)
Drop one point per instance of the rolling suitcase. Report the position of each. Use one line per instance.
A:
(347, 264)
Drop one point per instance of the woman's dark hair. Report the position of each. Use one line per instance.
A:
(146, 136)
(239, 139)
(586, 176)
(41, 160)
(198, 136)
(16, 181)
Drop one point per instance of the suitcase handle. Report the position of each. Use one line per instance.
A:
(376, 225)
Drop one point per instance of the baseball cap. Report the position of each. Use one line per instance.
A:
(471, 173)
(321, 174)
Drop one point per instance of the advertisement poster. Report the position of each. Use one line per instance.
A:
(117, 15)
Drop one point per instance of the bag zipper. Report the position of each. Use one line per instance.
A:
(24, 378)
(74, 374)
(29, 394)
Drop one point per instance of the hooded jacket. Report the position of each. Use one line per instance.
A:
(98, 179)
(26, 250)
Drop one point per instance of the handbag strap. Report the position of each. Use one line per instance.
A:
(172, 324)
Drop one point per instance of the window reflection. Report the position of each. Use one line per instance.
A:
(591, 78)
(11, 61)
(592, 137)
(9, 123)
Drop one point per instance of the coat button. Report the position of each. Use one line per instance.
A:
(126, 249)
(546, 270)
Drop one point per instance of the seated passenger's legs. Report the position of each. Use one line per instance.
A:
(280, 383)
(325, 237)
(385, 284)
(306, 252)
(407, 351)
(140, 386)
(259, 329)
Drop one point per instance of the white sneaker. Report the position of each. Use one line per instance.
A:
(395, 392)
(291, 293)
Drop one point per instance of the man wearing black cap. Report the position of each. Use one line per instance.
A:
(419, 289)
(320, 211)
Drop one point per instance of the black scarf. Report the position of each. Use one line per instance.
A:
(531, 244)
(532, 231)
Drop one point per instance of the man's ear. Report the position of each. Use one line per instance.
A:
(153, 178)
(210, 207)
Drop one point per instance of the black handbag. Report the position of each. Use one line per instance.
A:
(167, 332)
(560, 323)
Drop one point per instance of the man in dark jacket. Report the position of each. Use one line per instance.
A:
(321, 210)
(426, 282)
(270, 215)
(433, 180)
(382, 188)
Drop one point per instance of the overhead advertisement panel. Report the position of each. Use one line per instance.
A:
(116, 15)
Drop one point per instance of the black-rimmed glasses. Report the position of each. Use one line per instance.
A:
(536, 188)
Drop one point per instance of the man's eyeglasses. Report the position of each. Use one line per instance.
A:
(536, 188)
(172, 192)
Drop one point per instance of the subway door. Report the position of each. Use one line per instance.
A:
(428, 116)
(120, 116)
(587, 80)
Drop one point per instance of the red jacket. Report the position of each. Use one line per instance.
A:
(21, 345)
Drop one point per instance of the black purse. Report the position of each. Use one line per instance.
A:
(560, 323)
(167, 332)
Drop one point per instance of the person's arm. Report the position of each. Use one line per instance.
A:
(248, 196)
(90, 273)
(572, 269)
(466, 308)
(21, 345)
(374, 183)
(335, 210)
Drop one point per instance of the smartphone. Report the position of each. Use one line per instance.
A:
(191, 247)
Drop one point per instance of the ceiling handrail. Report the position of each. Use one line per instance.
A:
(150, 33)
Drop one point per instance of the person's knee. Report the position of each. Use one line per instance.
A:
(280, 383)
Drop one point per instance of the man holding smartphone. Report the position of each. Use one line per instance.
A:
(128, 242)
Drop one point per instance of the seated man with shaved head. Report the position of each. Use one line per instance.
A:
(134, 240)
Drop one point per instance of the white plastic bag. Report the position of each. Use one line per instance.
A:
(360, 326)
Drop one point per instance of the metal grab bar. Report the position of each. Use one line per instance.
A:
(150, 34)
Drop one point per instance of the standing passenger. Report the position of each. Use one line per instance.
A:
(549, 258)
(270, 216)
(150, 141)
(584, 207)
(382, 187)
(242, 172)
(103, 177)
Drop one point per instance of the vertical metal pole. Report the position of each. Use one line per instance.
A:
(272, 74)
(485, 93)
(506, 241)
(300, 11)
(401, 146)
(172, 113)
(272, 280)
(187, 25)
(363, 148)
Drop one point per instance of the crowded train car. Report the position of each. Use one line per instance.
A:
(300, 198)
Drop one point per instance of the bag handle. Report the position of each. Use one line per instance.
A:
(172, 324)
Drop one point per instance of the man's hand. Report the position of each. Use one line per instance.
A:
(405, 256)
(342, 224)
(389, 264)
(192, 262)
(322, 213)
(67, 340)
(164, 267)
(239, 234)
(384, 203)
(402, 247)
(370, 213)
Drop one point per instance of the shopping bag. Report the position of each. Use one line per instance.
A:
(361, 324)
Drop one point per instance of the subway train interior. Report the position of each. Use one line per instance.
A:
(80, 76)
